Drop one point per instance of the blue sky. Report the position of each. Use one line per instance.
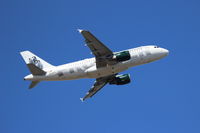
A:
(162, 97)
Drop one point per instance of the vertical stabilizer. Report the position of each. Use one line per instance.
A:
(31, 58)
(36, 66)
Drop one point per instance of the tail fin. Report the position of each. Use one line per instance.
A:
(35, 64)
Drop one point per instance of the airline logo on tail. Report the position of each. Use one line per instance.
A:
(36, 62)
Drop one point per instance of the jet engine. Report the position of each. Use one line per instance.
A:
(121, 79)
(122, 56)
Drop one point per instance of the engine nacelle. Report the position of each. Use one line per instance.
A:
(122, 56)
(121, 79)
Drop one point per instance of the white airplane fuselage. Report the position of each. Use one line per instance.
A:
(87, 68)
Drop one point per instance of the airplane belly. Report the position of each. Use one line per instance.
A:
(65, 74)
(75, 75)
(105, 71)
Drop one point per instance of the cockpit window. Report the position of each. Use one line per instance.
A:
(156, 47)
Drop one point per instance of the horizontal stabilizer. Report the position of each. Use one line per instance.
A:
(33, 84)
(35, 70)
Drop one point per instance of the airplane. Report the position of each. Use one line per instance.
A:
(104, 67)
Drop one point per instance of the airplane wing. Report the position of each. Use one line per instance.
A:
(99, 83)
(99, 50)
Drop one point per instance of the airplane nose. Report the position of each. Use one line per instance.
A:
(165, 51)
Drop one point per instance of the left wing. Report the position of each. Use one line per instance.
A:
(100, 51)
(99, 83)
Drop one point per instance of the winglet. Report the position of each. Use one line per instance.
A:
(79, 30)
(81, 99)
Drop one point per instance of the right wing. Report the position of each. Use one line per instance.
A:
(100, 51)
(99, 83)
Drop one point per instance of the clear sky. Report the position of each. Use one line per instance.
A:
(163, 96)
